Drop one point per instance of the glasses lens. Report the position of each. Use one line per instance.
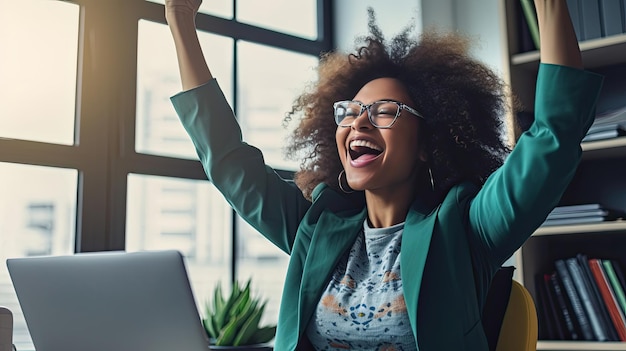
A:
(383, 113)
(346, 112)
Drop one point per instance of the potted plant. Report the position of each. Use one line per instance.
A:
(232, 323)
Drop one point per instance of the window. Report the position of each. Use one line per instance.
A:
(92, 155)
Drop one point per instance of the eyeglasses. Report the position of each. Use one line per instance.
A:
(382, 114)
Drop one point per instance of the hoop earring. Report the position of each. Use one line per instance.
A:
(432, 181)
(339, 181)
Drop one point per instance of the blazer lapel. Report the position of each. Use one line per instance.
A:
(324, 254)
(416, 237)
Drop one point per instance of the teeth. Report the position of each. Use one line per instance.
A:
(355, 143)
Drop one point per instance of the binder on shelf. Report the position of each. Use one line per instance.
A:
(574, 298)
(611, 17)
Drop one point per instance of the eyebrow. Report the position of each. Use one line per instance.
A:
(394, 100)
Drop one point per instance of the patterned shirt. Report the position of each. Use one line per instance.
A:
(363, 306)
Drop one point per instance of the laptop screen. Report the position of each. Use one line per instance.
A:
(108, 301)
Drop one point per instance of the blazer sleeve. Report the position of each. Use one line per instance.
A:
(272, 205)
(516, 199)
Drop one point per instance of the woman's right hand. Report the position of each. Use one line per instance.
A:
(181, 9)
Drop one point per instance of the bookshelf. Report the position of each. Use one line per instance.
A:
(600, 178)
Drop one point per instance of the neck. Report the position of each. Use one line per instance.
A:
(388, 207)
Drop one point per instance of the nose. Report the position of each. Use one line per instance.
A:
(362, 122)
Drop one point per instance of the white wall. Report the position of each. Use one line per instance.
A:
(392, 16)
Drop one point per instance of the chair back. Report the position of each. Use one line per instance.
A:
(519, 327)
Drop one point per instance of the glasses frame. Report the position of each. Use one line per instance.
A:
(368, 107)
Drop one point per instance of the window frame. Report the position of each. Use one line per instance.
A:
(105, 110)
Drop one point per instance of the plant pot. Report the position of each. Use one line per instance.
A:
(256, 347)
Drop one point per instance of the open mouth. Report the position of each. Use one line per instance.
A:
(364, 149)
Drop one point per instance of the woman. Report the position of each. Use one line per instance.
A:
(405, 207)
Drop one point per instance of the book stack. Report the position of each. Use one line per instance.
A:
(581, 214)
(582, 299)
(611, 124)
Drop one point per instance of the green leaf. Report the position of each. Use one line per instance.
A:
(249, 327)
(208, 326)
(229, 332)
(218, 299)
(263, 335)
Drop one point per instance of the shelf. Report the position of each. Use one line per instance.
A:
(597, 52)
(615, 147)
(603, 227)
(580, 345)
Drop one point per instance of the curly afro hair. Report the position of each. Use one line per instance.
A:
(463, 102)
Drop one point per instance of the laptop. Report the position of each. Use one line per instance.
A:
(105, 301)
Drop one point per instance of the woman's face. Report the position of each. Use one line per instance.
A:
(381, 159)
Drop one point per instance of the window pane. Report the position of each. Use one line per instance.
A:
(258, 258)
(186, 215)
(292, 17)
(221, 8)
(270, 79)
(37, 217)
(158, 129)
(38, 64)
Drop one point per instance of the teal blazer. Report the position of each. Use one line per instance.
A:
(449, 253)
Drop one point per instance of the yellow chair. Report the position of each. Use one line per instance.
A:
(519, 327)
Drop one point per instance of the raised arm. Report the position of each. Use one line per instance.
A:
(556, 34)
(517, 197)
(181, 18)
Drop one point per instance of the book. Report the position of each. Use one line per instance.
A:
(530, 14)
(616, 115)
(591, 309)
(607, 134)
(566, 314)
(547, 317)
(590, 15)
(615, 312)
(591, 213)
(526, 44)
(619, 274)
(624, 15)
(617, 286)
(577, 208)
(570, 221)
(577, 214)
(597, 299)
(603, 127)
(577, 307)
(611, 17)
(574, 13)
